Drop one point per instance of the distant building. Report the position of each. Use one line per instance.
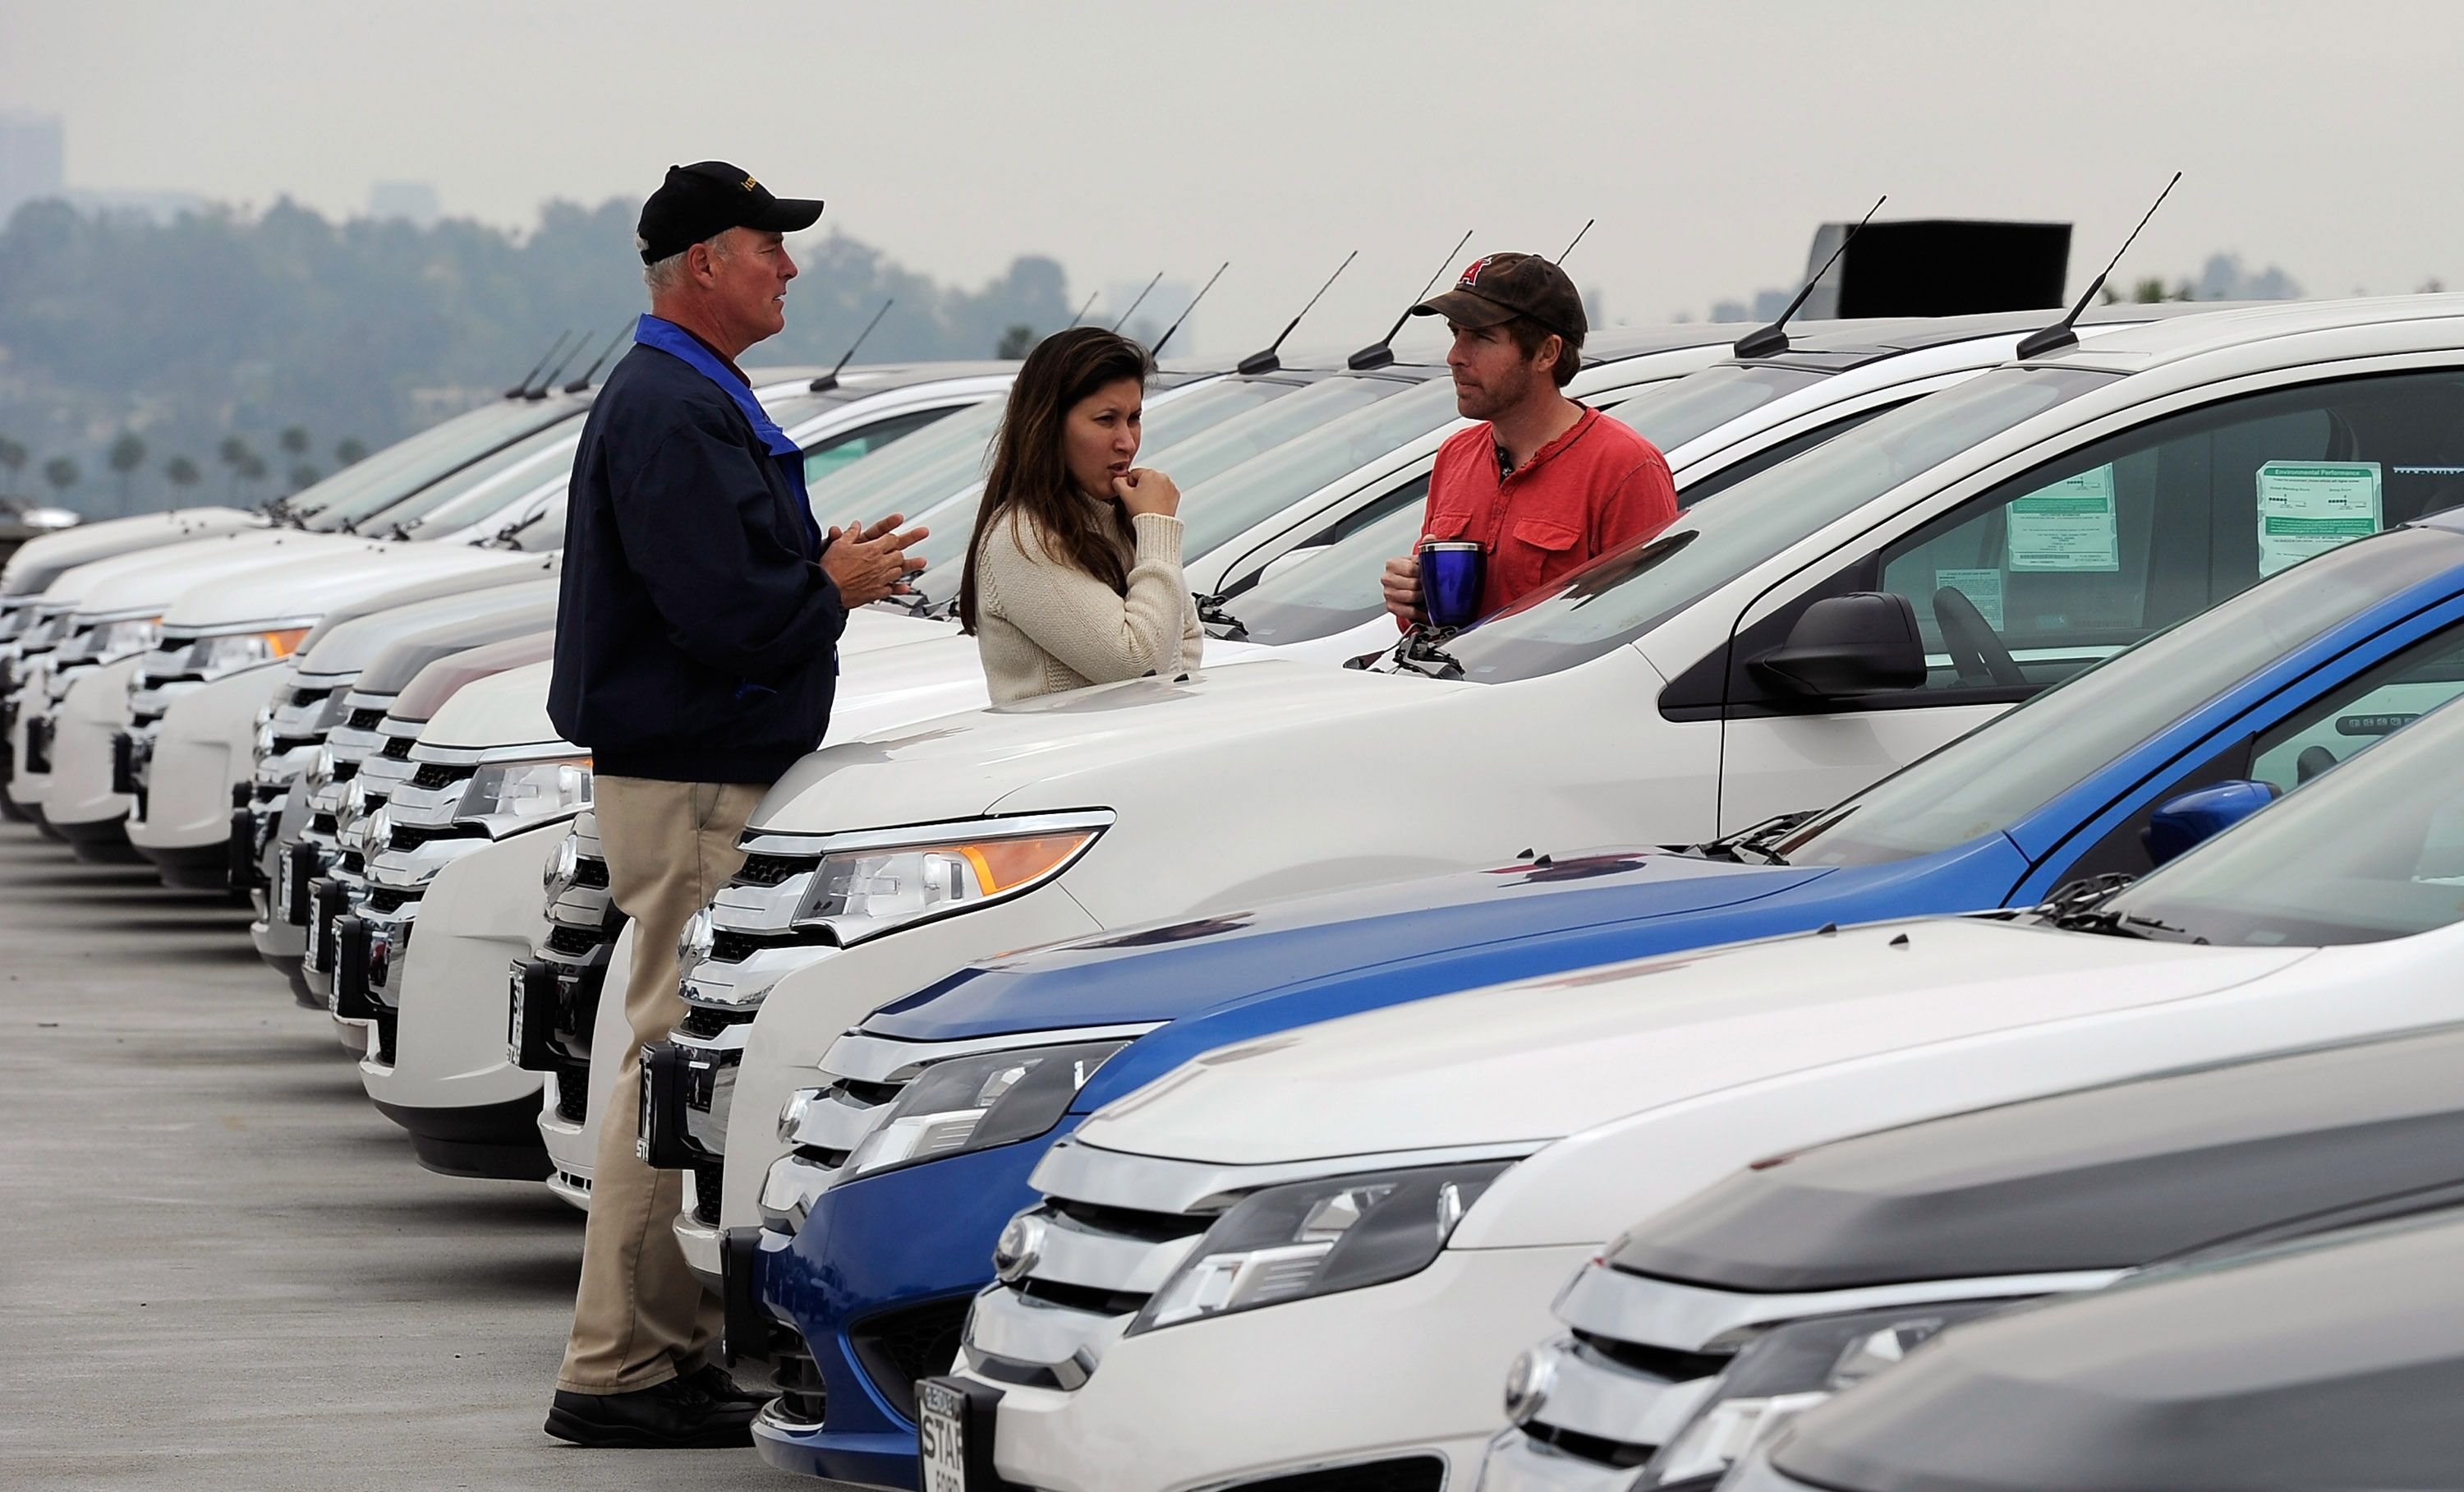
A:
(414, 201)
(31, 157)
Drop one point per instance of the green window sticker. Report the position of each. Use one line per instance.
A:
(2305, 507)
(2068, 526)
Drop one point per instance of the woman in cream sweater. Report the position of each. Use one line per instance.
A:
(1074, 575)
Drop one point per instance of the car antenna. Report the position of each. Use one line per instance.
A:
(1268, 361)
(592, 371)
(1139, 301)
(538, 390)
(1084, 310)
(522, 387)
(1157, 351)
(830, 380)
(1381, 352)
(1560, 259)
(1773, 340)
(2065, 333)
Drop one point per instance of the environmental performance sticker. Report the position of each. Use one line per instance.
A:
(2305, 507)
(2068, 526)
(1983, 586)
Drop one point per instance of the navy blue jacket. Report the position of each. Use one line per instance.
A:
(696, 637)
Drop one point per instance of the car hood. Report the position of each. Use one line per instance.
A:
(346, 648)
(40, 560)
(871, 627)
(155, 578)
(280, 588)
(441, 680)
(1177, 969)
(504, 710)
(1536, 1061)
(394, 665)
(2109, 1177)
(1088, 743)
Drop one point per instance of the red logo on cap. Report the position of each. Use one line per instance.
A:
(1471, 271)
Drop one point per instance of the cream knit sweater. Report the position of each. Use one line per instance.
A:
(1043, 625)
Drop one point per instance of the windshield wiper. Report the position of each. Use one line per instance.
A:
(1418, 651)
(1211, 613)
(1755, 839)
(2080, 906)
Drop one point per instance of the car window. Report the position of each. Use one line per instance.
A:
(2026, 758)
(849, 447)
(2373, 850)
(1671, 413)
(2079, 558)
(1336, 588)
(2365, 710)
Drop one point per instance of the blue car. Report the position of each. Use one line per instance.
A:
(882, 1225)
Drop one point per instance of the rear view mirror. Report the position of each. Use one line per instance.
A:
(1865, 642)
(2201, 814)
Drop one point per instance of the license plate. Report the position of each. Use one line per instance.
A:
(316, 929)
(941, 1434)
(282, 886)
(513, 1026)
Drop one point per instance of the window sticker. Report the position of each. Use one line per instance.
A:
(2068, 526)
(1984, 586)
(2307, 507)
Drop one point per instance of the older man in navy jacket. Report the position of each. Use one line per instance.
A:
(695, 657)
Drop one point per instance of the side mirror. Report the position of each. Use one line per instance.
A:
(1845, 646)
(2202, 814)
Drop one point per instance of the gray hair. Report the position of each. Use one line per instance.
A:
(665, 275)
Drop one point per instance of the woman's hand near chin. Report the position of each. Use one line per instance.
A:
(1145, 490)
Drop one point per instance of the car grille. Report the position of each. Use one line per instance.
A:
(574, 941)
(589, 872)
(899, 1347)
(410, 836)
(441, 774)
(728, 945)
(706, 1022)
(323, 824)
(1401, 1474)
(708, 1176)
(398, 748)
(385, 898)
(365, 719)
(769, 869)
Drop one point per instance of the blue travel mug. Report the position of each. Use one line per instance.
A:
(1451, 572)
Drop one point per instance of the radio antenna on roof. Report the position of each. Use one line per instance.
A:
(830, 380)
(2065, 333)
(1268, 361)
(521, 388)
(1381, 352)
(1560, 261)
(538, 390)
(592, 371)
(1084, 310)
(1157, 351)
(1773, 340)
(1139, 301)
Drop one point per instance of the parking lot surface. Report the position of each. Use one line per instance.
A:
(224, 1267)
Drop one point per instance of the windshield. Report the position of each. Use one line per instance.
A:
(486, 484)
(2008, 767)
(369, 485)
(1168, 425)
(1196, 459)
(1687, 409)
(1219, 510)
(2372, 850)
(952, 454)
(1623, 594)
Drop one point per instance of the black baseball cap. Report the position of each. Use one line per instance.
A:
(706, 199)
(1496, 288)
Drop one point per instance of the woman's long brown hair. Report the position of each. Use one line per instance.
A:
(1030, 474)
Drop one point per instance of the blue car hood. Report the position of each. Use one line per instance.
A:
(1173, 970)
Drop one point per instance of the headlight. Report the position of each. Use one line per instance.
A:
(214, 656)
(861, 890)
(112, 640)
(528, 790)
(975, 1103)
(1316, 1237)
(557, 878)
(1788, 1370)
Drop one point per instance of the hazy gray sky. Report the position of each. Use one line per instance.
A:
(1707, 138)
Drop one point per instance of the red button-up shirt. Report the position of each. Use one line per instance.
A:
(1597, 487)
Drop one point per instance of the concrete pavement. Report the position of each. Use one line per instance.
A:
(219, 1265)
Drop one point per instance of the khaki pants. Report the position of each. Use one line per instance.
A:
(641, 1317)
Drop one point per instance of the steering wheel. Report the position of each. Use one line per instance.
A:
(1975, 649)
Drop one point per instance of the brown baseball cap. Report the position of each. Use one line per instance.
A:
(1496, 288)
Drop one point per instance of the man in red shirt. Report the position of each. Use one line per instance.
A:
(1544, 484)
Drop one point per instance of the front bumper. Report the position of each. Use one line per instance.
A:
(877, 1282)
(1419, 1364)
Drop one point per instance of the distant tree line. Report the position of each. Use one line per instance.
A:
(228, 356)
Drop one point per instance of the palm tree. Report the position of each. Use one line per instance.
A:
(293, 440)
(126, 455)
(182, 473)
(349, 450)
(12, 455)
(61, 473)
